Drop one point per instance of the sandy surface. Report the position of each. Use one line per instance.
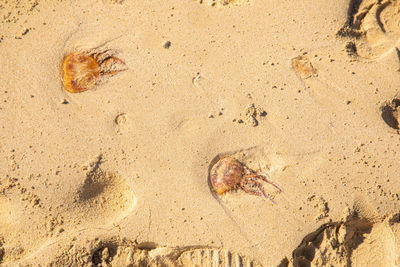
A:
(304, 92)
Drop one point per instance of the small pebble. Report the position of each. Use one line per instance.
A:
(167, 44)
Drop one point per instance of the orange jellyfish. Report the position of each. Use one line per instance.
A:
(82, 70)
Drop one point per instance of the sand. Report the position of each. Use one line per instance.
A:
(305, 93)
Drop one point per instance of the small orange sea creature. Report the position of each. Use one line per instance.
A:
(83, 69)
(229, 174)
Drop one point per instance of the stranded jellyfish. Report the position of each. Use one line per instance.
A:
(229, 174)
(83, 69)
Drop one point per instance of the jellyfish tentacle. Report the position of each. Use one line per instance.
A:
(251, 191)
(252, 175)
(259, 192)
(103, 55)
(108, 62)
(265, 179)
(111, 72)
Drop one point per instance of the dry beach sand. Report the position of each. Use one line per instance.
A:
(305, 92)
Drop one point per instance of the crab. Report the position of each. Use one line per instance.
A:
(229, 174)
(82, 69)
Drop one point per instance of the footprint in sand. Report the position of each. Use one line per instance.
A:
(115, 251)
(390, 112)
(101, 199)
(373, 26)
(362, 238)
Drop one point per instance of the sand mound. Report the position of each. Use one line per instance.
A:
(360, 239)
